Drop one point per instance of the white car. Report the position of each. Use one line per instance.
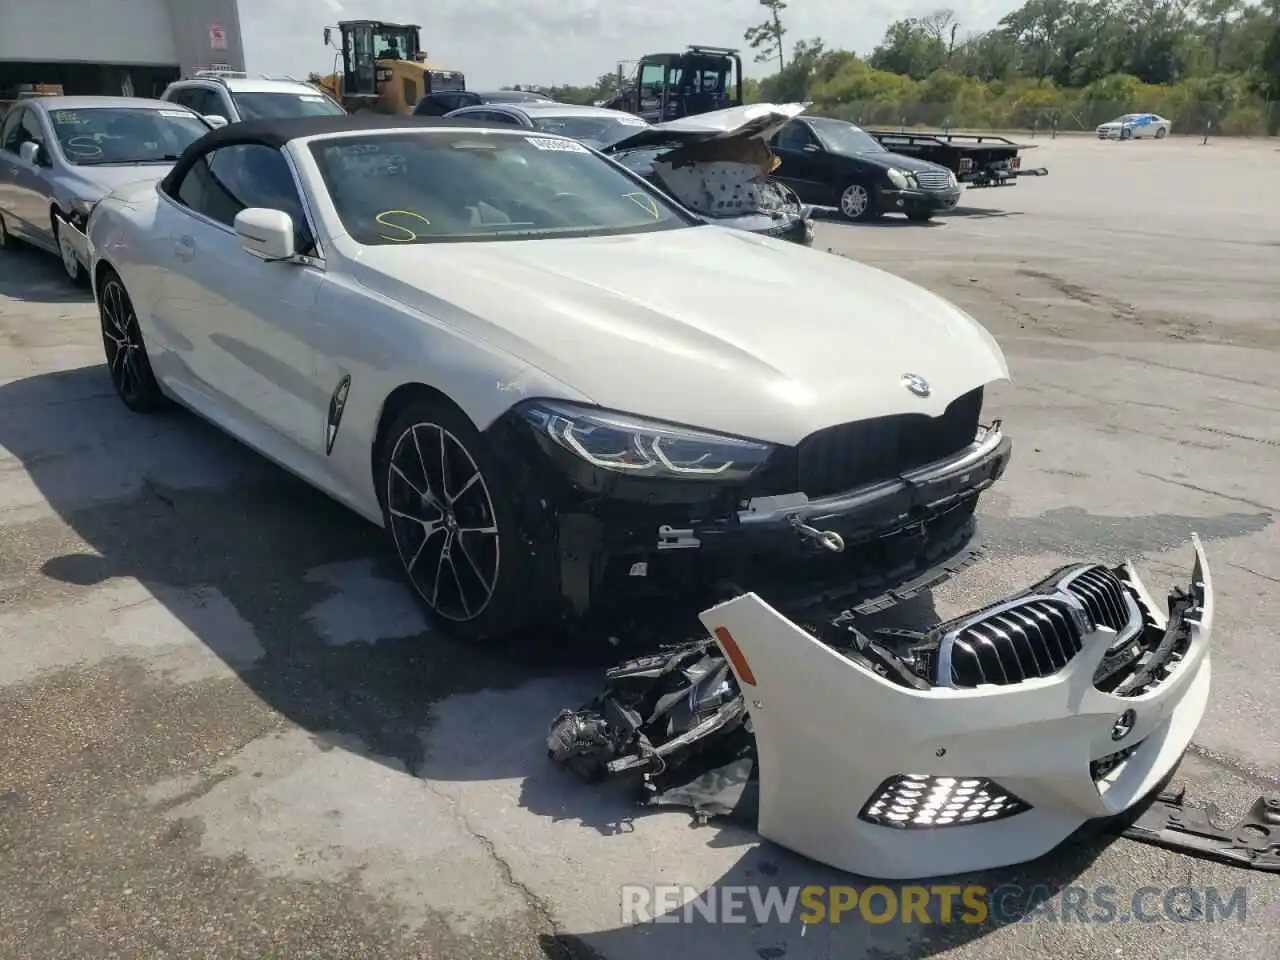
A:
(1133, 126)
(614, 388)
(235, 97)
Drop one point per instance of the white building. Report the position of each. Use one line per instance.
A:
(114, 46)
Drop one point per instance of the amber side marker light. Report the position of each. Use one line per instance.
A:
(734, 653)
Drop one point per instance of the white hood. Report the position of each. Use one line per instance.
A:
(703, 326)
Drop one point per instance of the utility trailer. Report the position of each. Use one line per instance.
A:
(978, 160)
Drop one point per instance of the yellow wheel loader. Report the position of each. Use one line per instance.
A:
(381, 67)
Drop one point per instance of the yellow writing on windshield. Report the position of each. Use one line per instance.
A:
(411, 234)
(645, 203)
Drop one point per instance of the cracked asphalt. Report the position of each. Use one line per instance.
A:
(225, 730)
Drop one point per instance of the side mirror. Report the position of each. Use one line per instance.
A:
(215, 121)
(33, 153)
(266, 233)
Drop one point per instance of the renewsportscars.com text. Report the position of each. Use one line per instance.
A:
(938, 904)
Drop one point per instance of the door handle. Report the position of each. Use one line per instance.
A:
(184, 248)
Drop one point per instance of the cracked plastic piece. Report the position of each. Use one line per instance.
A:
(1108, 690)
(1253, 842)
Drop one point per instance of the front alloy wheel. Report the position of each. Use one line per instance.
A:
(443, 522)
(127, 360)
(70, 262)
(856, 203)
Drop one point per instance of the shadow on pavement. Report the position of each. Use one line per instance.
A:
(174, 503)
(979, 213)
(38, 277)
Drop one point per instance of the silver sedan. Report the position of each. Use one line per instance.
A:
(60, 155)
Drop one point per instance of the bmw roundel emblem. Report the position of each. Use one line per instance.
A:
(1124, 725)
(916, 384)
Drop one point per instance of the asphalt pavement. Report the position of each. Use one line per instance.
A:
(226, 731)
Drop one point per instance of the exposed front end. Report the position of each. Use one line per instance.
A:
(638, 509)
(983, 742)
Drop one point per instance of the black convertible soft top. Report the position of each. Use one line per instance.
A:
(277, 132)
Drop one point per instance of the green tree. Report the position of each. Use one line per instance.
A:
(766, 38)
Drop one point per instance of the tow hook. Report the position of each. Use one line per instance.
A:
(827, 539)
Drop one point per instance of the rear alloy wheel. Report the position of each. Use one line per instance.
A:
(70, 262)
(856, 203)
(1161, 133)
(127, 360)
(453, 528)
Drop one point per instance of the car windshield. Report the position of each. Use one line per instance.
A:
(450, 186)
(596, 131)
(270, 106)
(127, 135)
(841, 137)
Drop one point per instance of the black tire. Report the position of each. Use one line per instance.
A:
(920, 216)
(1126, 133)
(465, 559)
(850, 209)
(127, 362)
(79, 275)
(1161, 133)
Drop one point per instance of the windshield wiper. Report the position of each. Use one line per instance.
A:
(167, 158)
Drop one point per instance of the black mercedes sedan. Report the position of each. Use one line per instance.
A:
(835, 163)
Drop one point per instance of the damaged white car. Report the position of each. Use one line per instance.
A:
(719, 164)
(561, 394)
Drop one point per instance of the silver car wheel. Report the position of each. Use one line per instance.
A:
(854, 201)
(443, 522)
(70, 262)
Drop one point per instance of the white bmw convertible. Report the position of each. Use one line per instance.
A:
(559, 391)
(547, 380)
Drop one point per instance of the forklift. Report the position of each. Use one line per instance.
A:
(381, 67)
(668, 86)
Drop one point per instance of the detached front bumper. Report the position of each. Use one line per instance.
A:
(981, 743)
(872, 777)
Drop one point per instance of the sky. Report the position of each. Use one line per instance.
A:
(503, 42)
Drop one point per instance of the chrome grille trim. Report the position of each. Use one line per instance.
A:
(932, 180)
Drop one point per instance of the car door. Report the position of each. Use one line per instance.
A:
(239, 328)
(27, 184)
(9, 203)
(801, 156)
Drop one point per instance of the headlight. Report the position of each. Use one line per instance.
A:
(899, 179)
(644, 448)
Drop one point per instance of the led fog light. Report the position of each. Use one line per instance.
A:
(917, 801)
